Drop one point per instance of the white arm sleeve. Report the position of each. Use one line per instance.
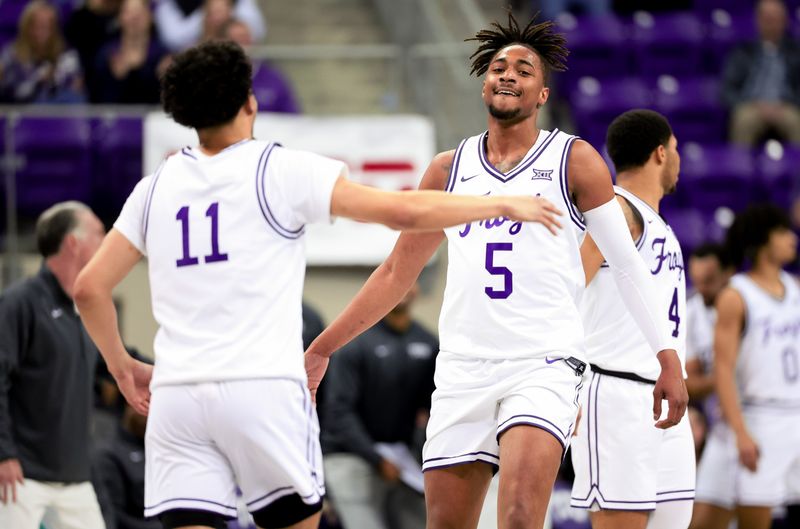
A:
(607, 226)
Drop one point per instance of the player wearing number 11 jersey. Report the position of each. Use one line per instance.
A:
(222, 227)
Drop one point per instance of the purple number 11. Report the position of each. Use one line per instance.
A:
(215, 255)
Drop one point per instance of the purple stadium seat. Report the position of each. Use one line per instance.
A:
(689, 225)
(669, 43)
(116, 163)
(726, 29)
(778, 169)
(595, 103)
(10, 10)
(693, 107)
(56, 162)
(596, 44)
(736, 6)
(714, 176)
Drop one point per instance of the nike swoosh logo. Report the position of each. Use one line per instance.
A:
(554, 360)
(468, 178)
(487, 193)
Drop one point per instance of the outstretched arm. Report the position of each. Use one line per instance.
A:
(430, 208)
(727, 337)
(590, 184)
(385, 287)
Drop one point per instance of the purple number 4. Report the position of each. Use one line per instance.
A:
(215, 255)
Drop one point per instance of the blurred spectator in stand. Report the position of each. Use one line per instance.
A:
(128, 69)
(761, 81)
(180, 22)
(88, 29)
(118, 473)
(271, 88)
(216, 13)
(379, 389)
(37, 67)
(550, 9)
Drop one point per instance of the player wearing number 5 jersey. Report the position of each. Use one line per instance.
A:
(508, 376)
(757, 367)
(628, 472)
(222, 227)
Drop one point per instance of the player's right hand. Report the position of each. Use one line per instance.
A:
(671, 387)
(748, 451)
(10, 475)
(133, 379)
(316, 365)
(533, 209)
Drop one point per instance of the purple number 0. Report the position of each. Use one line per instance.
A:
(508, 286)
(215, 256)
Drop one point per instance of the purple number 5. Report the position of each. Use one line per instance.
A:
(215, 255)
(508, 285)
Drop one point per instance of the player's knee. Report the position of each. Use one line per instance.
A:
(518, 513)
(176, 518)
(285, 511)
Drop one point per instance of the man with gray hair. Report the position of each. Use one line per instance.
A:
(47, 364)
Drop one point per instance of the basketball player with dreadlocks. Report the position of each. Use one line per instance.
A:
(512, 353)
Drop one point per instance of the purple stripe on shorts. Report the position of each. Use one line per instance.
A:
(190, 499)
(501, 428)
(479, 453)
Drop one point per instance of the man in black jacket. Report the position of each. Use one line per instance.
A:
(761, 81)
(378, 387)
(47, 364)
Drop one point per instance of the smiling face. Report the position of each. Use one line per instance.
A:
(514, 88)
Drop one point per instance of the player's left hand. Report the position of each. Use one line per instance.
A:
(316, 365)
(671, 387)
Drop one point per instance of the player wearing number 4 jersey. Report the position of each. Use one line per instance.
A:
(757, 375)
(628, 472)
(222, 227)
(512, 355)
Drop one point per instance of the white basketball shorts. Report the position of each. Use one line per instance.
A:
(621, 460)
(476, 400)
(205, 439)
(716, 473)
(777, 434)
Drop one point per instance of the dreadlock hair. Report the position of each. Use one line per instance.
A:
(751, 229)
(548, 45)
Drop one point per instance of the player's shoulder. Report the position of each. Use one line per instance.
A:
(730, 299)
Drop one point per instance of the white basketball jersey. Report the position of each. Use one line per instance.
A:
(512, 288)
(768, 369)
(224, 239)
(613, 340)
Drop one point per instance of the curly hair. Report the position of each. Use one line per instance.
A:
(751, 229)
(634, 135)
(548, 45)
(205, 86)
